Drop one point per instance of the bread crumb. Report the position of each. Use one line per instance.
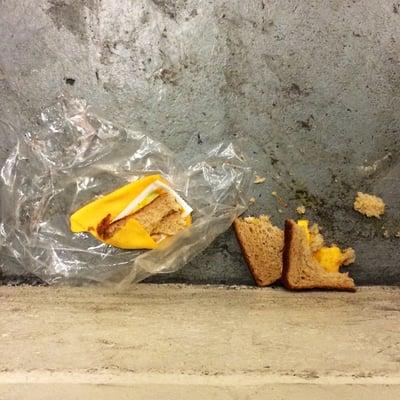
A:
(369, 205)
(301, 210)
(252, 200)
(349, 256)
(259, 179)
(386, 234)
(397, 234)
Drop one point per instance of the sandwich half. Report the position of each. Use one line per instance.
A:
(138, 215)
(307, 264)
(262, 245)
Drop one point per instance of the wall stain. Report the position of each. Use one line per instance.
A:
(169, 7)
(167, 75)
(306, 124)
(294, 91)
(69, 16)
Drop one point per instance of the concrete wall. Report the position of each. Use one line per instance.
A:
(314, 86)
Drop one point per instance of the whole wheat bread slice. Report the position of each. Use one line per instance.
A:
(301, 270)
(151, 215)
(170, 224)
(262, 245)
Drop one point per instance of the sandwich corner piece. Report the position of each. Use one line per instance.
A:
(308, 264)
(138, 215)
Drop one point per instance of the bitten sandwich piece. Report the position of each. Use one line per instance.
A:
(262, 245)
(138, 215)
(306, 266)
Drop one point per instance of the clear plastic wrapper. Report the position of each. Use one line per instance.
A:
(75, 156)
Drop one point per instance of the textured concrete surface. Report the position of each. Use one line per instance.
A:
(197, 391)
(314, 87)
(164, 341)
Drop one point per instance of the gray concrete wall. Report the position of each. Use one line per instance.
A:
(314, 84)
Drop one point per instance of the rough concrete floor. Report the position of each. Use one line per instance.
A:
(179, 342)
(314, 86)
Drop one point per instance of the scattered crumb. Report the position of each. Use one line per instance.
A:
(369, 205)
(397, 234)
(349, 256)
(280, 211)
(259, 179)
(373, 167)
(252, 200)
(301, 210)
(386, 233)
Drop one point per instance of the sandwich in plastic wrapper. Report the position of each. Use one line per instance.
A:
(73, 157)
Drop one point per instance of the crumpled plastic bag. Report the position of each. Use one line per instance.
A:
(74, 156)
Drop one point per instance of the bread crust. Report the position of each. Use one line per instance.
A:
(288, 236)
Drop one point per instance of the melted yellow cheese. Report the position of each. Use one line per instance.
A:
(304, 224)
(330, 258)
